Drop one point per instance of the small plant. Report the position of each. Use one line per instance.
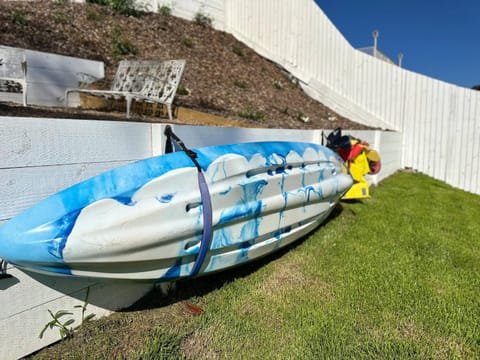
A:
(302, 117)
(60, 18)
(66, 329)
(240, 84)
(252, 114)
(92, 15)
(187, 42)
(203, 19)
(183, 91)
(63, 328)
(99, 2)
(278, 85)
(238, 51)
(124, 7)
(164, 10)
(120, 45)
(18, 17)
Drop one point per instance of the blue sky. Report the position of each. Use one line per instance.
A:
(439, 38)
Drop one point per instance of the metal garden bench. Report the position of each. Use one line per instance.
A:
(13, 72)
(142, 80)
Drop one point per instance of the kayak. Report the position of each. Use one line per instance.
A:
(175, 216)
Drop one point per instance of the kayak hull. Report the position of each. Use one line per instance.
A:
(146, 220)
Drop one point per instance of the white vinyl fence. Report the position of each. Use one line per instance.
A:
(440, 122)
(42, 156)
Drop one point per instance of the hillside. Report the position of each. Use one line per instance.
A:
(223, 76)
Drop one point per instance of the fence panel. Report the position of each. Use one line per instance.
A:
(369, 90)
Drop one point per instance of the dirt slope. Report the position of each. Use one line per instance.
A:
(224, 77)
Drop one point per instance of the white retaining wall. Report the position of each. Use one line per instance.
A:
(39, 157)
(42, 156)
(439, 121)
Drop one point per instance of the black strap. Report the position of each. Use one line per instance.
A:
(207, 212)
(173, 138)
(3, 269)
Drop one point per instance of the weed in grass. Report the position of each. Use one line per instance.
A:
(65, 329)
(56, 322)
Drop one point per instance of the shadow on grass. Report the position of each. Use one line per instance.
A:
(188, 288)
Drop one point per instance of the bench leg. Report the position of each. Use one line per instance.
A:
(66, 98)
(128, 100)
(24, 89)
(169, 109)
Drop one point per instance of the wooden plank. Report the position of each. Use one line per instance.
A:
(35, 142)
(21, 188)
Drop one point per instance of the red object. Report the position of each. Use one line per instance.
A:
(355, 151)
(350, 154)
(194, 309)
(375, 167)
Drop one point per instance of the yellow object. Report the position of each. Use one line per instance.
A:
(359, 158)
(358, 168)
(366, 161)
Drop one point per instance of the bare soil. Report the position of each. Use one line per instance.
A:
(223, 76)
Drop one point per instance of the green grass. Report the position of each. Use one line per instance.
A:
(393, 277)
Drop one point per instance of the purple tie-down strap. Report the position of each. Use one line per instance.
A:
(207, 224)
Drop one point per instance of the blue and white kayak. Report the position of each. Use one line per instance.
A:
(161, 219)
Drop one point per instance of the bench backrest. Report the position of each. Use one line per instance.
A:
(162, 81)
(131, 75)
(157, 80)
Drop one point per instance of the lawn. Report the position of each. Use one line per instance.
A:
(396, 276)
